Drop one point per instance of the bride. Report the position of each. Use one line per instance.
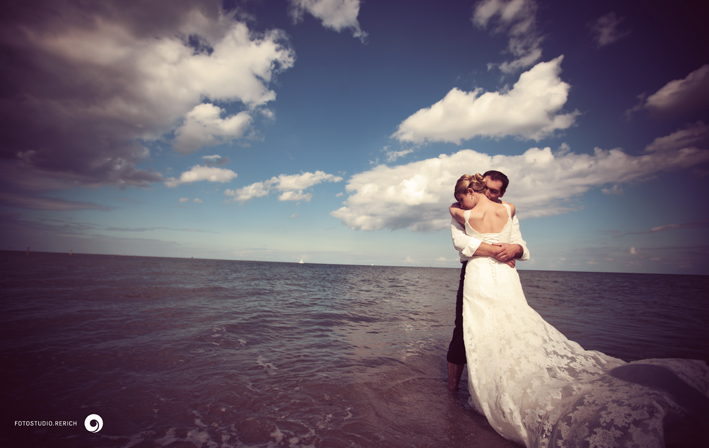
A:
(540, 389)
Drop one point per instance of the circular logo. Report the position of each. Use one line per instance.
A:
(93, 423)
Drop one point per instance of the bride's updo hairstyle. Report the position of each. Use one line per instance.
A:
(467, 181)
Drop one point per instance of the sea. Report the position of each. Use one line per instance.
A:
(124, 351)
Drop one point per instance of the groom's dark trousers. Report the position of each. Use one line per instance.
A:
(456, 349)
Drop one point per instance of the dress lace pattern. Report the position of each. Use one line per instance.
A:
(540, 389)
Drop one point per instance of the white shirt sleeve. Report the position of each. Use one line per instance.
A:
(516, 238)
(465, 244)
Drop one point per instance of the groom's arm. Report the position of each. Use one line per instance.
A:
(516, 238)
(516, 248)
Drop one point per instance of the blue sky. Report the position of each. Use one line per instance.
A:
(333, 131)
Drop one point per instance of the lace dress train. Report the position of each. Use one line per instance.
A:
(540, 389)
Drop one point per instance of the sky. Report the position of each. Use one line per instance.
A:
(333, 131)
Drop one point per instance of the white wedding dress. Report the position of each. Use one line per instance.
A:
(540, 389)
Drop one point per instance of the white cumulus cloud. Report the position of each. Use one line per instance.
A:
(291, 187)
(165, 77)
(334, 14)
(121, 76)
(542, 183)
(200, 173)
(302, 181)
(295, 196)
(255, 190)
(203, 126)
(531, 109)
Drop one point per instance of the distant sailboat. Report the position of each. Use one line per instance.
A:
(301, 261)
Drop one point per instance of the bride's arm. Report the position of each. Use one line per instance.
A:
(457, 213)
(465, 244)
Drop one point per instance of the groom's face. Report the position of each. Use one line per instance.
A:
(494, 189)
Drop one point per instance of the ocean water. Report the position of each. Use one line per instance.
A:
(211, 353)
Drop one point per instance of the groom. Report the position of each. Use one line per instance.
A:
(468, 247)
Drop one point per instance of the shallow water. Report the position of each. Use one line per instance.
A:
(184, 352)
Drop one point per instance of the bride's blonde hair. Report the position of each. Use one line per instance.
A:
(467, 181)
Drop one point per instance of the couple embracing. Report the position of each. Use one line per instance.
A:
(535, 386)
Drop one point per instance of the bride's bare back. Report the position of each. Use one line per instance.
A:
(485, 216)
(489, 217)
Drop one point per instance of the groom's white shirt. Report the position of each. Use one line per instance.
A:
(466, 245)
